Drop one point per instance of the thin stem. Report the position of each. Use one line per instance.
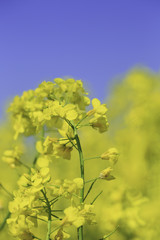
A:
(4, 189)
(4, 221)
(35, 159)
(56, 210)
(96, 197)
(76, 195)
(81, 120)
(90, 188)
(86, 159)
(38, 218)
(23, 164)
(83, 125)
(52, 202)
(72, 142)
(56, 216)
(54, 199)
(55, 229)
(106, 236)
(40, 207)
(80, 229)
(92, 180)
(36, 237)
(63, 139)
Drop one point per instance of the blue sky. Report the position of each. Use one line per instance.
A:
(91, 40)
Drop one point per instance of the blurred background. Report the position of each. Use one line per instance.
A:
(113, 46)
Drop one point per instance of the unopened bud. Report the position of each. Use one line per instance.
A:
(105, 174)
(111, 155)
(91, 112)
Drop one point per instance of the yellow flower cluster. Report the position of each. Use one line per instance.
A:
(51, 103)
(66, 187)
(77, 217)
(52, 147)
(23, 209)
(48, 104)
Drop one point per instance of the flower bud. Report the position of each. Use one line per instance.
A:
(105, 174)
(111, 155)
(91, 112)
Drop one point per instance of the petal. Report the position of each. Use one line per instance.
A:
(95, 102)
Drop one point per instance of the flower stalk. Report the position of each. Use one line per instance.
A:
(79, 148)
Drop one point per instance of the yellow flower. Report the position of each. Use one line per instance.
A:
(74, 217)
(60, 234)
(66, 187)
(77, 216)
(62, 150)
(99, 120)
(100, 123)
(98, 108)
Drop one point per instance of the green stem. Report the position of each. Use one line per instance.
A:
(57, 210)
(4, 189)
(37, 218)
(36, 237)
(91, 158)
(96, 197)
(23, 164)
(90, 188)
(49, 215)
(80, 229)
(84, 125)
(35, 159)
(81, 120)
(4, 221)
(56, 216)
(55, 229)
(92, 180)
(106, 236)
(72, 143)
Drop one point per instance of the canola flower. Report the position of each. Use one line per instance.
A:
(59, 106)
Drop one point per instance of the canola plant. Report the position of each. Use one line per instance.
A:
(43, 206)
(56, 174)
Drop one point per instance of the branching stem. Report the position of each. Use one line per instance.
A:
(80, 229)
(79, 148)
(49, 215)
